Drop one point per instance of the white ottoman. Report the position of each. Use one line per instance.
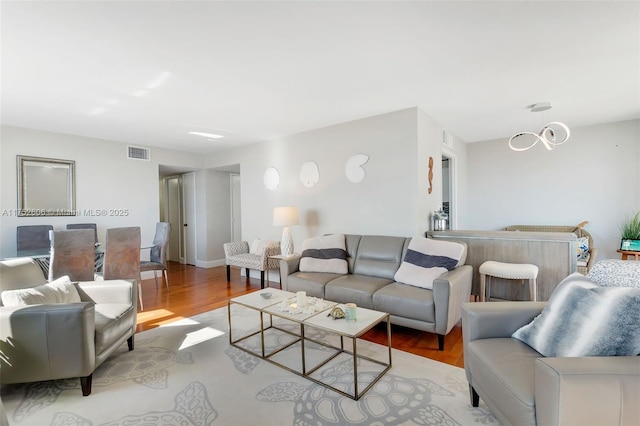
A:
(510, 271)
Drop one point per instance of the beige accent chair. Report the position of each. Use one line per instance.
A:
(584, 266)
(122, 256)
(238, 254)
(73, 253)
(65, 340)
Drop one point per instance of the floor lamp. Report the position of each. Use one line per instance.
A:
(285, 216)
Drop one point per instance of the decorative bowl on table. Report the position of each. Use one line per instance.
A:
(265, 294)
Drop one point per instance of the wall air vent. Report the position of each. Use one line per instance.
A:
(138, 153)
(447, 140)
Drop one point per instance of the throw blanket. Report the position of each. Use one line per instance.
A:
(324, 254)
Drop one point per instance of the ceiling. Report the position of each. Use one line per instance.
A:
(147, 73)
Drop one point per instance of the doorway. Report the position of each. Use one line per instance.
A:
(449, 193)
(180, 213)
(236, 203)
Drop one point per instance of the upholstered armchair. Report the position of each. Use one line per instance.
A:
(239, 255)
(522, 387)
(66, 339)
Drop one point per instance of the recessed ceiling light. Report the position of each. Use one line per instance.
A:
(207, 135)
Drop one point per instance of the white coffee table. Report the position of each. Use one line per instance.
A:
(318, 321)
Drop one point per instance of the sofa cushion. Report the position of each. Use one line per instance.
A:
(615, 273)
(358, 289)
(312, 283)
(584, 319)
(61, 290)
(582, 248)
(379, 256)
(405, 301)
(426, 259)
(324, 254)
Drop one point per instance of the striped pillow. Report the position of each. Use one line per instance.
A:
(584, 319)
(426, 259)
(324, 254)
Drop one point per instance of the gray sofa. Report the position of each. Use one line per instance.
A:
(62, 340)
(373, 261)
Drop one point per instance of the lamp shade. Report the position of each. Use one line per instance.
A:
(285, 216)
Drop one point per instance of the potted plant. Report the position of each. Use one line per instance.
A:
(631, 233)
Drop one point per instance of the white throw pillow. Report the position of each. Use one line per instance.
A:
(256, 245)
(324, 254)
(61, 290)
(426, 259)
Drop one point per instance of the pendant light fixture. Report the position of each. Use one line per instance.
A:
(552, 134)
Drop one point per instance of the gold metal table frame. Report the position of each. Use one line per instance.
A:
(367, 319)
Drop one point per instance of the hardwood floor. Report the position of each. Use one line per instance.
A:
(195, 290)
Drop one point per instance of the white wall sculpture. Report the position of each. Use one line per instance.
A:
(309, 174)
(354, 170)
(271, 178)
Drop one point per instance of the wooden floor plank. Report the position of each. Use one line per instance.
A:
(195, 290)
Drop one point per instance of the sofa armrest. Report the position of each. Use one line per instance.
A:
(587, 391)
(288, 266)
(109, 291)
(450, 290)
(487, 320)
(46, 342)
(272, 250)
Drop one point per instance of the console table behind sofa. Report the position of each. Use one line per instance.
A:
(553, 252)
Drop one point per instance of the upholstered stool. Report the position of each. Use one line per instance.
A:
(510, 271)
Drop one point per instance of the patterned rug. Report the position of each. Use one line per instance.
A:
(186, 373)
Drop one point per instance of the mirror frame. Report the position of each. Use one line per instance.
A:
(24, 209)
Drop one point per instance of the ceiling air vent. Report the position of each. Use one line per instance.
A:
(137, 153)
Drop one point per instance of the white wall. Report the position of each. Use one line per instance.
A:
(105, 179)
(392, 200)
(594, 176)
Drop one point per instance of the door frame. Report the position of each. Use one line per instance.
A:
(453, 186)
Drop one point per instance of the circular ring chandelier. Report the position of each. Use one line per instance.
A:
(552, 134)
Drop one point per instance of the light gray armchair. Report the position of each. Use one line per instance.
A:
(62, 340)
(522, 387)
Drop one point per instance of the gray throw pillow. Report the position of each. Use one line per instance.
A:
(584, 319)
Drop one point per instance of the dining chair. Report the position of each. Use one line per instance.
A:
(85, 226)
(72, 254)
(122, 256)
(158, 254)
(31, 239)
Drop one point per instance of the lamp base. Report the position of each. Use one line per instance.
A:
(286, 244)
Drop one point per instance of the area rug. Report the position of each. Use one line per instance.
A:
(187, 373)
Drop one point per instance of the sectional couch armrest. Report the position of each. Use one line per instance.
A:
(487, 320)
(288, 266)
(49, 341)
(588, 391)
(450, 290)
(109, 291)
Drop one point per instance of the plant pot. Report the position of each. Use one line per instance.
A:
(630, 245)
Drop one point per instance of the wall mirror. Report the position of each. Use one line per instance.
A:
(46, 187)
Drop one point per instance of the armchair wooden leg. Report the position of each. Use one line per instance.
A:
(261, 279)
(475, 398)
(85, 383)
(130, 342)
(246, 270)
(440, 342)
(228, 273)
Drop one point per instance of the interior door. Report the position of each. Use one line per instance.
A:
(236, 222)
(173, 209)
(189, 215)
